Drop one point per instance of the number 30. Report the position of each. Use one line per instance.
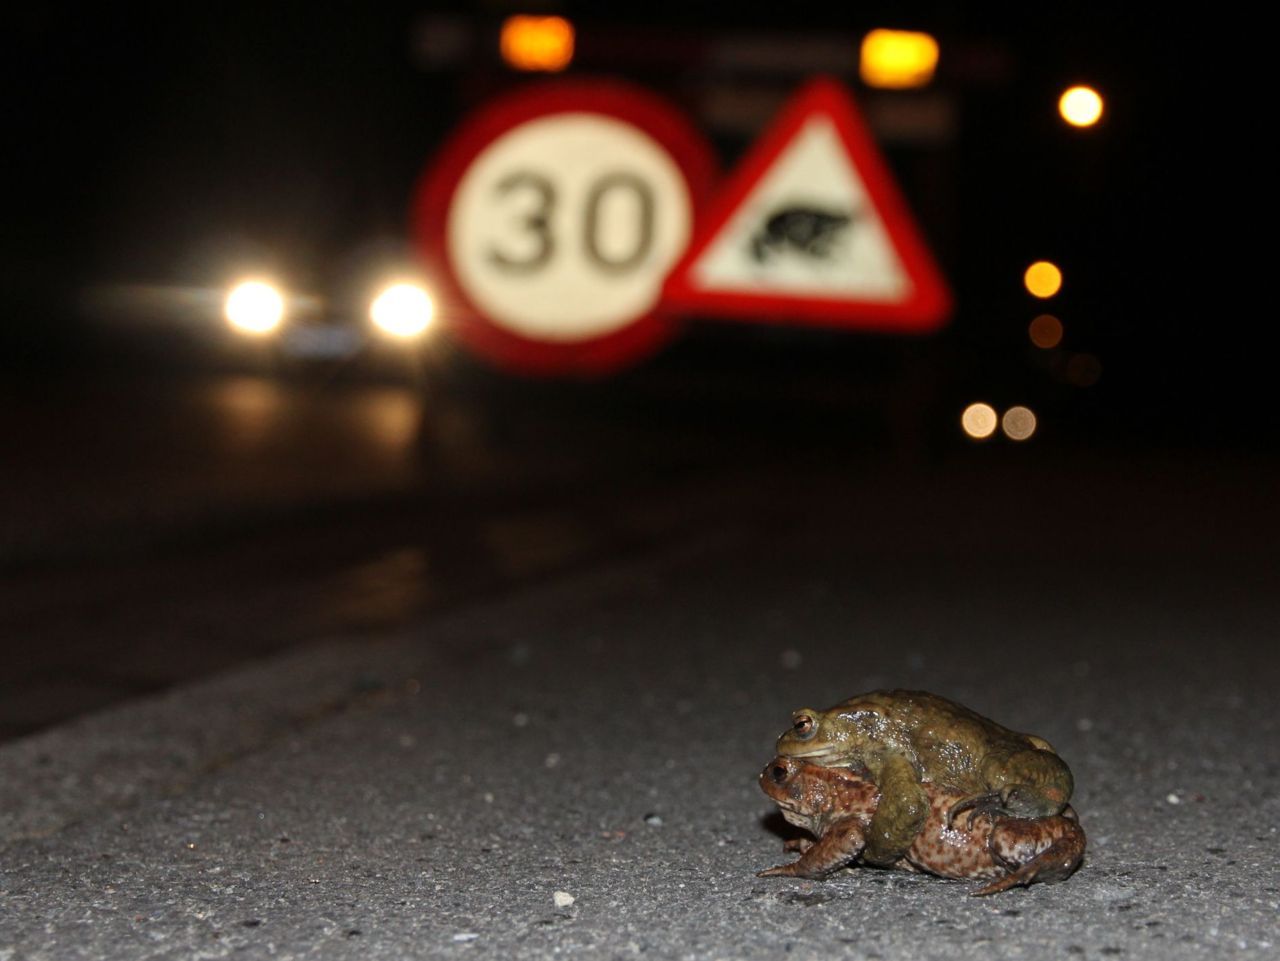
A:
(536, 222)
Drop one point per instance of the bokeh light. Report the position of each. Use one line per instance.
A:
(537, 43)
(979, 420)
(1018, 423)
(254, 307)
(1045, 331)
(402, 310)
(898, 59)
(1080, 106)
(1043, 279)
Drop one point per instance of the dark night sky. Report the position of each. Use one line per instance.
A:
(158, 129)
(145, 141)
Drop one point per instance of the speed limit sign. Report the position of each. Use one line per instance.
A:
(553, 218)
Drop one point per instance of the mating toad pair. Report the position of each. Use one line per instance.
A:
(884, 778)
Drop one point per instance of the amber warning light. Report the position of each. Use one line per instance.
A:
(537, 43)
(898, 59)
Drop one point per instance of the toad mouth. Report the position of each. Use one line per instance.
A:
(788, 805)
(815, 752)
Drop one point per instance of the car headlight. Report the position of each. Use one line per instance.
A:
(254, 307)
(402, 310)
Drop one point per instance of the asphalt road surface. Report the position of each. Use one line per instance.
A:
(565, 765)
(154, 531)
(456, 706)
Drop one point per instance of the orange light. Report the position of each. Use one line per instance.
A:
(1043, 279)
(537, 43)
(1080, 106)
(1045, 331)
(979, 421)
(898, 59)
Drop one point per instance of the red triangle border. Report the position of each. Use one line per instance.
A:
(925, 310)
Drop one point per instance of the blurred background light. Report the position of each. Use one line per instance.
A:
(898, 59)
(979, 421)
(1018, 423)
(537, 43)
(254, 307)
(402, 310)
(1083, 370)
(1043, 279)
(1080, 106)
(1045, 331)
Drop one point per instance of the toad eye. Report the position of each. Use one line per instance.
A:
(778, 773)
(804, 726)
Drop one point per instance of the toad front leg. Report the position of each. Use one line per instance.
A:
(840, 843)
(900, 816)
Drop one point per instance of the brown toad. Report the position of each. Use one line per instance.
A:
(837, 805)
(909, 740)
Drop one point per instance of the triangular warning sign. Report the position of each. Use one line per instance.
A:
(811, 229)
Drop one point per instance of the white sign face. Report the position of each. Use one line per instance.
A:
(808, 228)
(564, 228)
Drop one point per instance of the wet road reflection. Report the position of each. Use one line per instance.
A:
(258, 416)
(91, 459)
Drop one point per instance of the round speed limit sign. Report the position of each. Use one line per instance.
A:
(554, 215)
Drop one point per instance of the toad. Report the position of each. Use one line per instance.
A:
(837, 805)
(911, 740)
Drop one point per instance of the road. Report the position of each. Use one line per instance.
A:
(159, 531)
(423, 777)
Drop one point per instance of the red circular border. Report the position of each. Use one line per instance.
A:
(660, 120)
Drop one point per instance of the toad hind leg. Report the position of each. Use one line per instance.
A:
(1028, 783)
(1043, 850)
(840, 843)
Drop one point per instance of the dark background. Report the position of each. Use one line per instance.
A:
(167, 146)
(172, 146)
